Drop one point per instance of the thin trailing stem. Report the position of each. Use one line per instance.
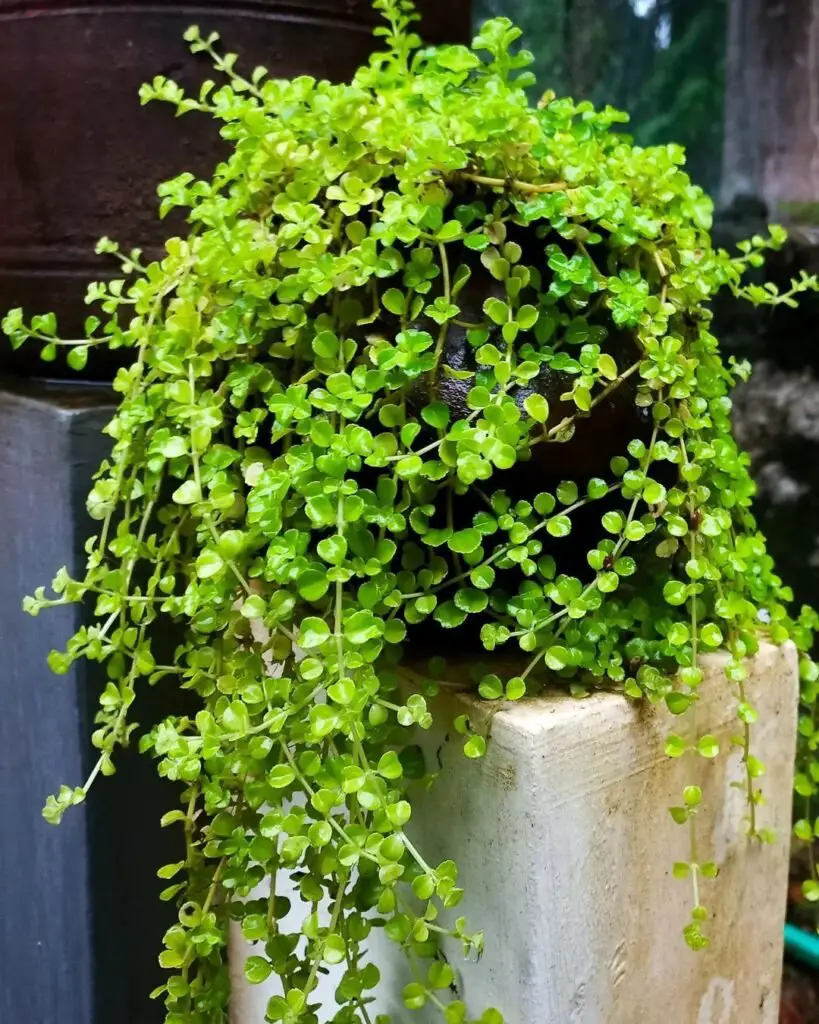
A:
(512, 183)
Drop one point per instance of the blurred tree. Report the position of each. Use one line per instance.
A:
(772, 107)
(660, 60)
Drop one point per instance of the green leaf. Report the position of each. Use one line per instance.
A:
(45, 323)
(187, 493)
(281, 776)
(515, 688)
(557, 657)
(475, 747)
(257, 969)
(491, 688)
(582, 398)
(389, 766)
(810, 890)
(711, 635)
(394, 300)
(313, 584)
(675, 593)
(471, 601)
(708, 746)
(678, 703)
(313, 632)
(436, 414)
(395, 631)
(489, 355)
(544, 503)
(464, 542)
(414, 996)
(335, 949)
(675, 746)
(613, 522)
(362, 626)
(747, 713)
(231, 543)
(449, 232)
(450, 615)
(559, 526)
(567, 492)
(607, 366)
(496, 310)
(77, 357)
(456, 58)
(399, 813)
(343, 692)
(527, 317)
(170, 870)
(209, 564)
(236, 718)
(332, 549)
(654, 493)
(537, 407)
(756, 769)
(254, 607)
(482, 577)
(409, 467)
(440, 975)
(423, 887)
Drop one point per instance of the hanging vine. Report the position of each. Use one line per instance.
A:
(405, 305)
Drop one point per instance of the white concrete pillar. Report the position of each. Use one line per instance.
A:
(566, 849)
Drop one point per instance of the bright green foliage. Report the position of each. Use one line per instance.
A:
(278, 454)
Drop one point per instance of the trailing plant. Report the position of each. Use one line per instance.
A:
(427, 355)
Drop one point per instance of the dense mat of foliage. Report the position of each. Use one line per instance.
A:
(428, 354)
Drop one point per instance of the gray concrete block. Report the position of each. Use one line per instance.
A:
(566, 849)
(81, 925)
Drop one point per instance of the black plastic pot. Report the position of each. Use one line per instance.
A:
(80, 158)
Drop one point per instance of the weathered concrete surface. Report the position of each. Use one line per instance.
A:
(566, 848)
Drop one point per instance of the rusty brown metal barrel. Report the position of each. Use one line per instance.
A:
(79, 157)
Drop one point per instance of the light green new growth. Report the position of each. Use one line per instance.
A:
(280, 450)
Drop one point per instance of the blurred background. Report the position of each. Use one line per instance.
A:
(735, 81)
(663, 61)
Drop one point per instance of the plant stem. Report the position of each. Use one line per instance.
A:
(444, 328)
(336, 914)
(512, 183)
(607, 390)
(422, 864)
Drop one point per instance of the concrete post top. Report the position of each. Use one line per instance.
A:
(555, 709)
(64, 395)
(566, 851)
